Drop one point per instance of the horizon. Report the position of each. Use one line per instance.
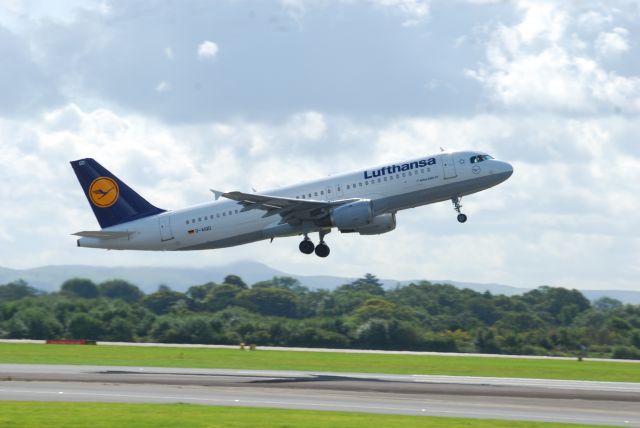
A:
(399, 281)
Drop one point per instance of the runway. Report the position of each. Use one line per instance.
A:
(602, 403)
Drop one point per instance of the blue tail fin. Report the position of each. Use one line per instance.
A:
(112, 201)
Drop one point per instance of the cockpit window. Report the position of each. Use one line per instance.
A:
(479, 158)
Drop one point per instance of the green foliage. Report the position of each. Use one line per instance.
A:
(33, 323)
(119, 289)
(269, 301)
(607, 304)
(84, 326)
(17, 290)
(80, 287)
(235, 280)
(161, 302)
(361, 314)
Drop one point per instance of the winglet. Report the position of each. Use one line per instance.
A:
(216, 193)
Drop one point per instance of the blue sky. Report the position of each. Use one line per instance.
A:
(180, 97)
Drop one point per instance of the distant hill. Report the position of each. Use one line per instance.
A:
(49, 278)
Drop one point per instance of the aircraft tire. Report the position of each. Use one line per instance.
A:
(462, 218)
(306, 247)
(322, 250)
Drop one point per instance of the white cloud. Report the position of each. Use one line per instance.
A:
(207, 50)
(540, 63)
(163, 87)
(415, 11)
(612, 43)
(168, 53)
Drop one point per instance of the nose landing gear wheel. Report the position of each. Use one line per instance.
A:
(306, 246)
(322, 250)
(457, 206)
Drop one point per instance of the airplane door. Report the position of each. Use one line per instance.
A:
(448, 165)
(339, 190)
(166, 234)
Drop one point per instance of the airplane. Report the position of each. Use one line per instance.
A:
(364, 201)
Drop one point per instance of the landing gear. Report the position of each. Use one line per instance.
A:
(322, 249)
(456, 206)
(306, 246)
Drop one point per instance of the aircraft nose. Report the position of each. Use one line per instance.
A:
(503, 170)
(507, 169)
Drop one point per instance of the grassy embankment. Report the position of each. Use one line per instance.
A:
(94, 415)
(318, 361)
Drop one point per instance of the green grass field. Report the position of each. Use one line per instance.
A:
(75, 415)
(317, 361)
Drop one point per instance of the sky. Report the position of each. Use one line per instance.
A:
(177, 97)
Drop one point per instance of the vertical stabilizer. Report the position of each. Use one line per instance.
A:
(112, 201)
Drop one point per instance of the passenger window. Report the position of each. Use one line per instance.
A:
(385, 179)
(348, 186)
(224, 214)
(379, 180)
(303, 197)
(366, 182)
(322, 192)
(398, 176)
(360, 184)
(218, 215)
(410, 174)
(187, 221)
(236, 211)
(328, 190)
(338, 188)
(230, 212)
(309, 194)
(404, 174)
(193, 220)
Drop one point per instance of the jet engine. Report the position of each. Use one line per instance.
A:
(382, 223)
(353, 215)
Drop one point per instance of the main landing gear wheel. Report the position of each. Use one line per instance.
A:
(322, 250)
(457, 206)
(306, 246)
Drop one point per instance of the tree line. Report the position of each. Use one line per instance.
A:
(361, 314)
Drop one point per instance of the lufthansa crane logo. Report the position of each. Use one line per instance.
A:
(103, 192)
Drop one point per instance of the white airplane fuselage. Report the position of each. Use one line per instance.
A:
(389, 188)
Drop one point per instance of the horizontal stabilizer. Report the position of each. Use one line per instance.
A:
(102, 234)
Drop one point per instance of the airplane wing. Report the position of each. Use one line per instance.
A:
(102, 234)
(290, 209)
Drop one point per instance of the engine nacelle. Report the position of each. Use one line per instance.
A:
(353, 215)
(382, 223)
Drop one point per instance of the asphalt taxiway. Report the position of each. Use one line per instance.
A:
(603, 403)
